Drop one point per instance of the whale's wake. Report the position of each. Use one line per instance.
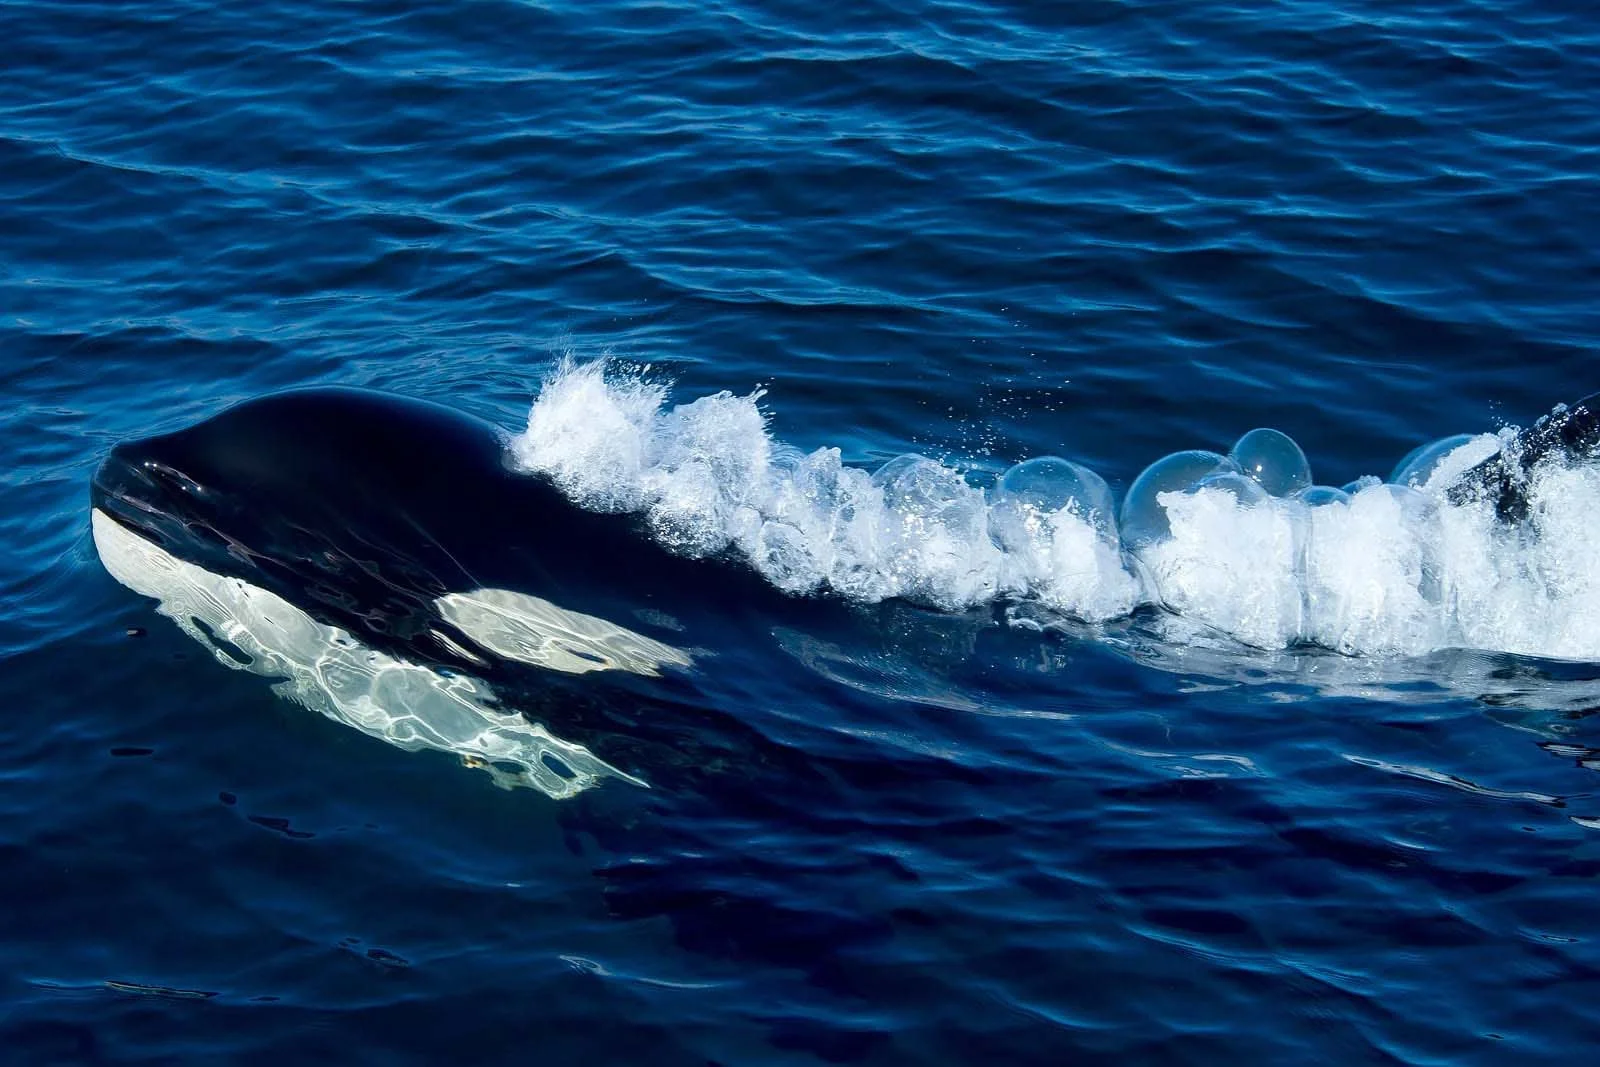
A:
(1242, 542)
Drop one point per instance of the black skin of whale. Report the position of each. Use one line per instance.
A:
(1569, 432)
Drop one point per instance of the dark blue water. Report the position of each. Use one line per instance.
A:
(980, 231)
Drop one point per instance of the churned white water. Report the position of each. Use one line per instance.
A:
(1243, 542)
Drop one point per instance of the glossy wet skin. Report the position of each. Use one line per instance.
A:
(360, 457)
(318, 495)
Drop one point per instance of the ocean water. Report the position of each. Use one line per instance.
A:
(1271, 784)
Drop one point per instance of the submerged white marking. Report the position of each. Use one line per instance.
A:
(532, 630)
(326, 669)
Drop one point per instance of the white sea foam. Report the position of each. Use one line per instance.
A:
(1382, 568)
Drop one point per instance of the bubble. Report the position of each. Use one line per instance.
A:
(1366, 481)
(1273, 460)
(1317, 496)
(1032, 491)
(1419, 519)
(1144, 520)
(897, 467)
(923, 492)
(1421, 462)
(815, 489)
(1416, 507)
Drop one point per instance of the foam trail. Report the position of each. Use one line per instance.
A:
(1242, 542)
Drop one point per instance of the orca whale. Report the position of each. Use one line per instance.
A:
(439, 598)
(379, 513)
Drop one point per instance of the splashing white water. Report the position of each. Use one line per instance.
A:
(1376, 568)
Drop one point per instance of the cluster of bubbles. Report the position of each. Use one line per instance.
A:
(1248, 543)
(1244, 542)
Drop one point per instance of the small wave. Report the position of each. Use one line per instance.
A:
(1243, 542)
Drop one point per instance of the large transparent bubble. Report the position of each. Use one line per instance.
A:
(1423, 461)
(922, 491)
(1028, 495)
(894, 468)
(1273, 460)
(1144, 520)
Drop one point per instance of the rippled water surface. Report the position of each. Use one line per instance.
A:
(931, 829)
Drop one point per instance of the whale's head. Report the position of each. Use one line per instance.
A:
(300, 459)
(331, 496)
(394, 519)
